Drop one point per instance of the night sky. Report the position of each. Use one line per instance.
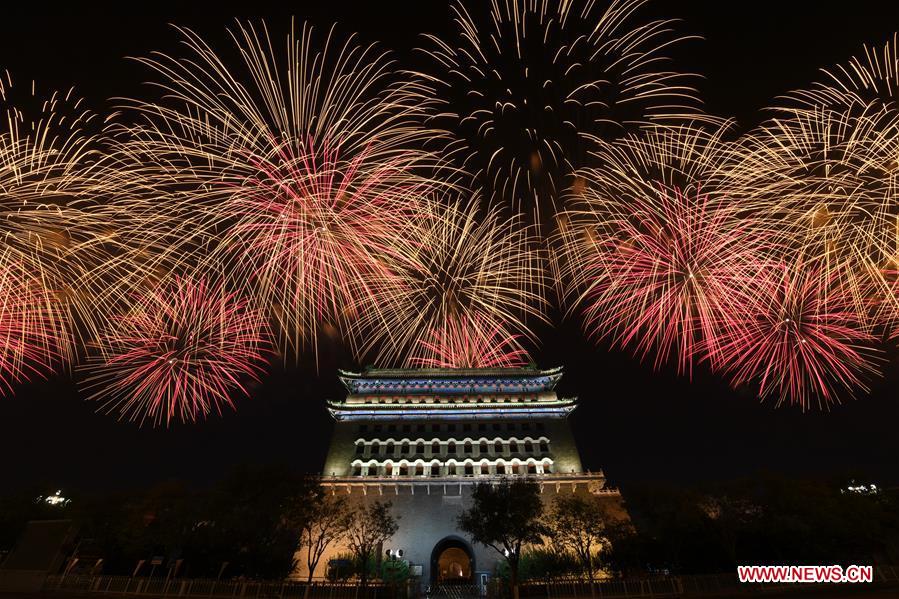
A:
(636, 424)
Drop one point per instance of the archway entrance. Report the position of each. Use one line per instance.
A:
(452, 562)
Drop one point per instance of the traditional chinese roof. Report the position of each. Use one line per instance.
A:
(396, 394)
(548, 408)
(446, 381)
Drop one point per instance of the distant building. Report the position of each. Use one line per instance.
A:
(422, 438)
(39, 552)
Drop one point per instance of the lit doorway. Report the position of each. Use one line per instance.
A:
(452, 563)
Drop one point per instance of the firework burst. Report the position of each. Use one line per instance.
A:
(796, 334)
(182, 352)
(519, 89)
(463, 278)
(52, 239)
(317, 230)
(824, 185)
(653, 247)
(293, 178)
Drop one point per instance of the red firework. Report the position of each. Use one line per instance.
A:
(31, 339)
(661, 271)
(798, 335)
(310, 230)
(470, 343)
(183, 352)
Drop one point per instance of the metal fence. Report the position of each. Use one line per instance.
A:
(658, 587)
(178, 587)
(672, 586)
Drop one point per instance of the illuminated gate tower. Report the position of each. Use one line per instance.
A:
(422, 438)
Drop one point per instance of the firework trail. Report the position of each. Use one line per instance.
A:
(868, 81)
(294, 178)
(464, 278)
(796, 334)
(182, 352)
(654, 247)
(519, 89)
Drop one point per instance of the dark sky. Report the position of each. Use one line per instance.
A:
(636, 424)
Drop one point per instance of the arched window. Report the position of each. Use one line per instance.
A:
(404, 449)
(373, 470)
(513, 446)
(375, 448)
(498, 447)
(435, 469)
(547, 467)
(482, 448)
(404, 470)
(390, 448)
(357, 470)
(451, 448)
(532, 468)
(544, 447)
(420, 448)
(419, 470)
(360, 448)
(469, 469)
(529, 447)
(435, 448)
(468, 448)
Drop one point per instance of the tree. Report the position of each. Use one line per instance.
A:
(505, 516)
(541, 563)
(579, 525)
(321, 519)
(369, 526)
(244, 523)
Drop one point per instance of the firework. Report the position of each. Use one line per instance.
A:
(462, 343)
(313, 244)
(823, 184)
(519, 90)
(52, 238)
(182, 352)
(293, 178)
(464, 278)
(796, 334)
(654, 247)
(28, 328)
(870, 80)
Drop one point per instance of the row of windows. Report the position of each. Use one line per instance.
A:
(443, 399)
(451, 427)
(453, 448)
(438, 469)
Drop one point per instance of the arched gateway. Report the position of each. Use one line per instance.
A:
(452, 562)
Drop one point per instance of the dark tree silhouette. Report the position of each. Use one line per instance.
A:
(370, 526)
(506, 516)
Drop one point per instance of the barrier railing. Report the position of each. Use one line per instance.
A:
(198, 587)
(670, 586)
(656, 587)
